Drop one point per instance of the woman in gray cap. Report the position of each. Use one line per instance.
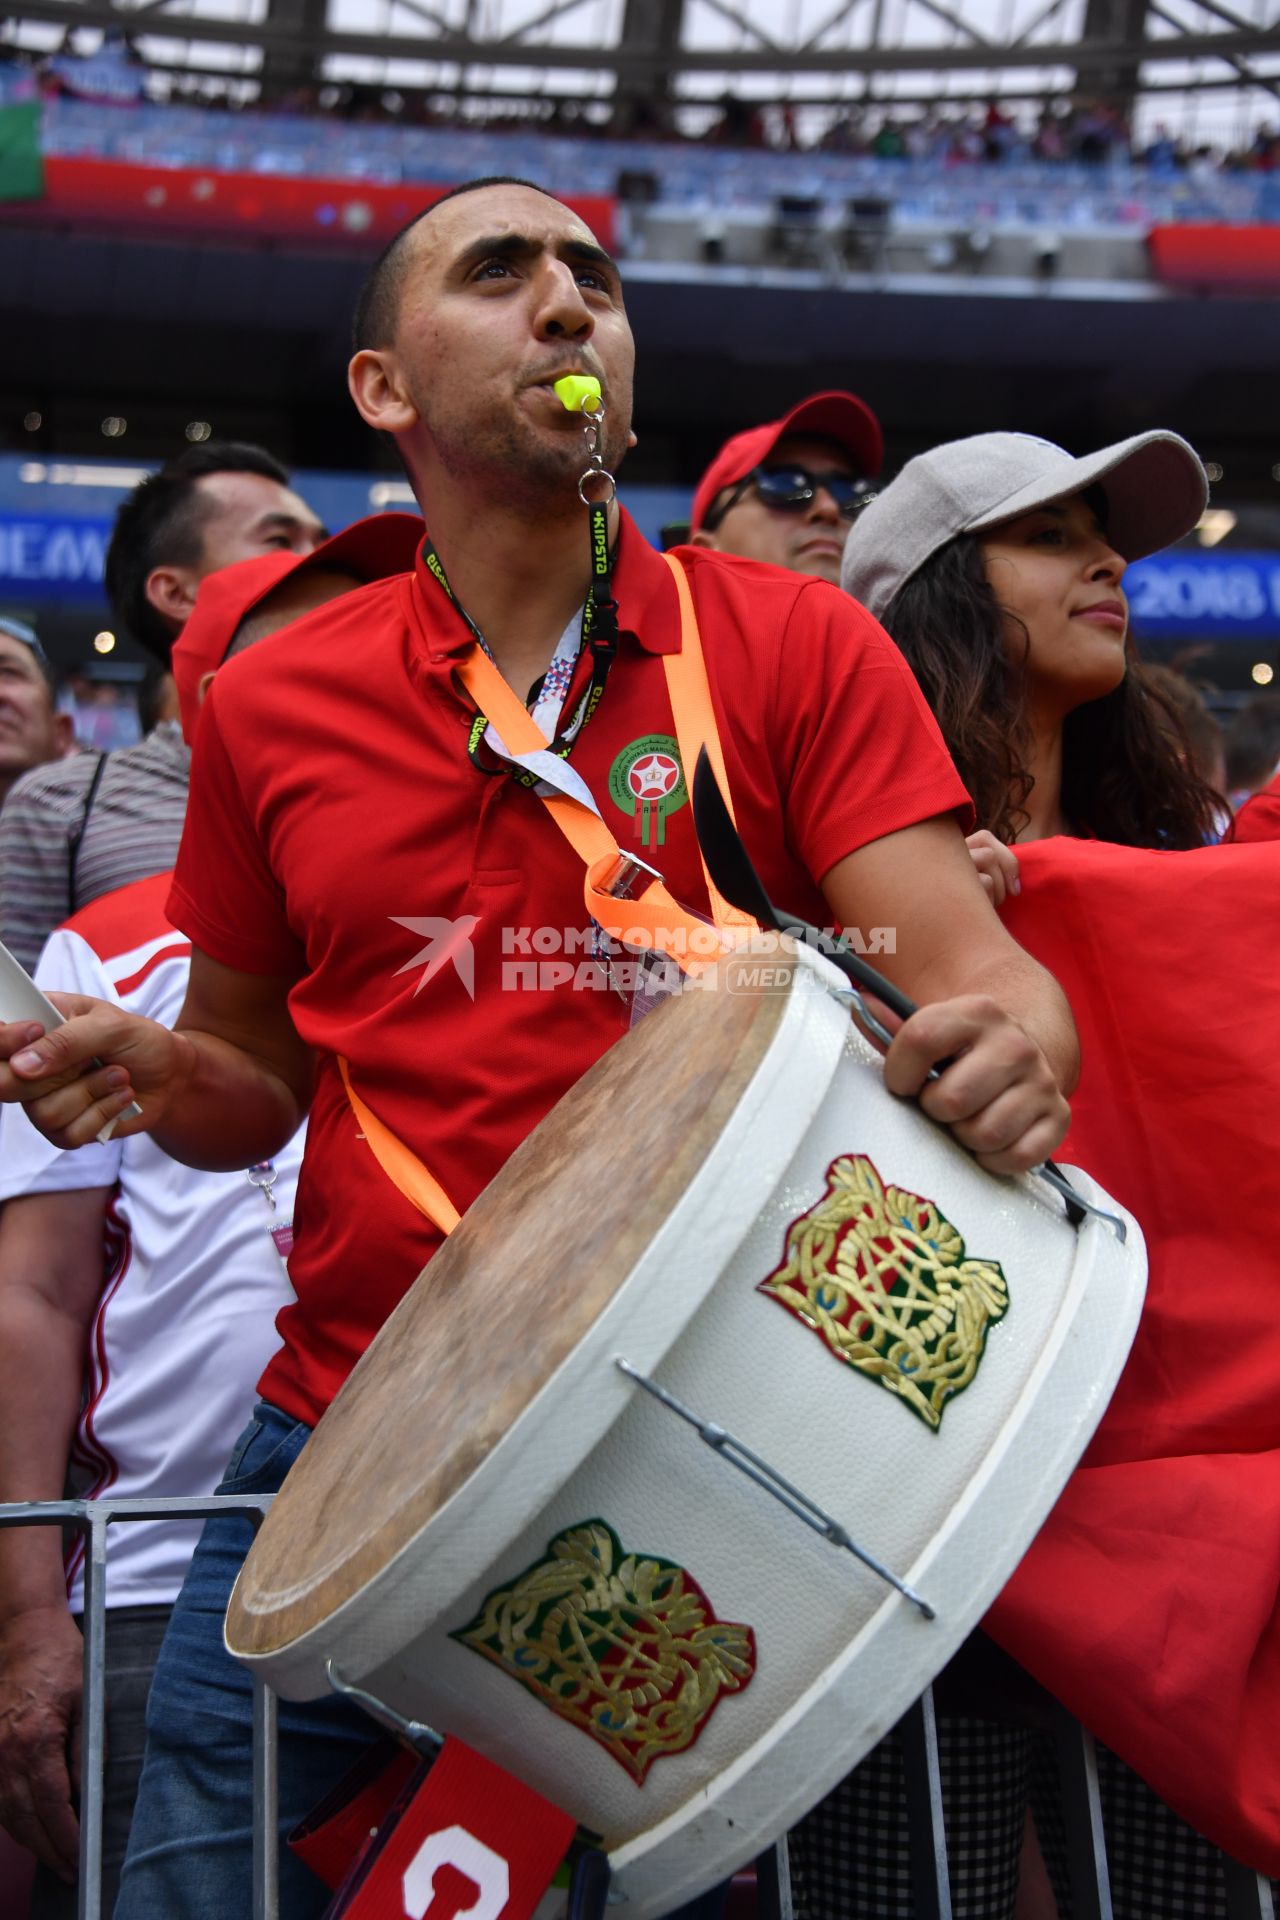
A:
(996, 564)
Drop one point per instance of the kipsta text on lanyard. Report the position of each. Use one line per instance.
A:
(577, 393)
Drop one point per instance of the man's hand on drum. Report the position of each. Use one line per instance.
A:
(993, 1022)
(69, 1097)
(996, 1090)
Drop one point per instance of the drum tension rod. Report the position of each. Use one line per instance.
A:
(423, 1739)
(746, 1461)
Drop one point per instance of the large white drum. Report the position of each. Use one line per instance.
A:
(496, 1529)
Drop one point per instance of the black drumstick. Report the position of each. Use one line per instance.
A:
(729, 865)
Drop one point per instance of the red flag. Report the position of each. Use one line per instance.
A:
(1259, 817)
(335, 1834)
(1150, 1602)
(473, 1841)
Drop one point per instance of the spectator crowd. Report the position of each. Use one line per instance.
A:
(1071, 129)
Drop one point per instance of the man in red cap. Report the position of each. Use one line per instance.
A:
(241, 605)
(785, 493)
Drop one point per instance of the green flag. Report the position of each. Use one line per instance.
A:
(21, 168)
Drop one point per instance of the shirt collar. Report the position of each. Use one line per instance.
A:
(648, 609)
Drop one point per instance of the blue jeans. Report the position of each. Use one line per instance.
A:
(190, 1851)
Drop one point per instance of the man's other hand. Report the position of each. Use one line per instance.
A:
(67, 1096)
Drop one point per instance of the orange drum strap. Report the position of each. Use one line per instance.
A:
(695, 724)
(654, 920)
(401, 1166)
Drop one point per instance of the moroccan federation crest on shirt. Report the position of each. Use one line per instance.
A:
(884, 1278)
(647, 781)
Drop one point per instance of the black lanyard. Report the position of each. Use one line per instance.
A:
(599, 633)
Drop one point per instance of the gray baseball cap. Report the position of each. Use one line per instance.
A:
(1154, 483)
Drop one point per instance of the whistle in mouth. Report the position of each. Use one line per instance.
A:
(574, 390)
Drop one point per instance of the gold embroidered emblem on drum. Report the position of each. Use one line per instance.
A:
(624, 1645)
(883, 1277)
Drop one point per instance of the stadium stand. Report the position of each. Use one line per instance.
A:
(1118, 193)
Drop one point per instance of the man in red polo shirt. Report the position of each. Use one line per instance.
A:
(359, 871)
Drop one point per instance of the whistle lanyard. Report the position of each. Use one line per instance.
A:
(599, 633)
(574, 809)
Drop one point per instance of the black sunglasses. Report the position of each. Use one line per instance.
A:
(791, 489)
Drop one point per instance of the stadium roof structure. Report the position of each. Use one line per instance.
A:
(638, 60)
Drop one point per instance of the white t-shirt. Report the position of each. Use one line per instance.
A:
(193, 1278)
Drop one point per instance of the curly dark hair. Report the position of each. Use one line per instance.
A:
(1127, 766)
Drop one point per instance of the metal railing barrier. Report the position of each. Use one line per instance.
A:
(1248, 1894)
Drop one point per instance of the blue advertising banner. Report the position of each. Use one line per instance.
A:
(59, 556)
(46, 558)
(1192, 594)
(1207, 595)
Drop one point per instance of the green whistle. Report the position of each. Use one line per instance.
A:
(573, 390)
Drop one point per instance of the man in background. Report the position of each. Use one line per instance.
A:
(95, 822)
(32, 731)
(786, 492)
(1253, 769)
(131, 1290)
(137, 1307)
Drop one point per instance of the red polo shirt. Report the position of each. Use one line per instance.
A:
(333, 805)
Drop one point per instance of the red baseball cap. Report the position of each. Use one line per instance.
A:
(841, 417)
(385, 543)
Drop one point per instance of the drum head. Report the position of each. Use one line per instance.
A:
(514, 1290)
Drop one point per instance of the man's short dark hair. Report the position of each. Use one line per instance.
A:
(161, 524)
(378, 307)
